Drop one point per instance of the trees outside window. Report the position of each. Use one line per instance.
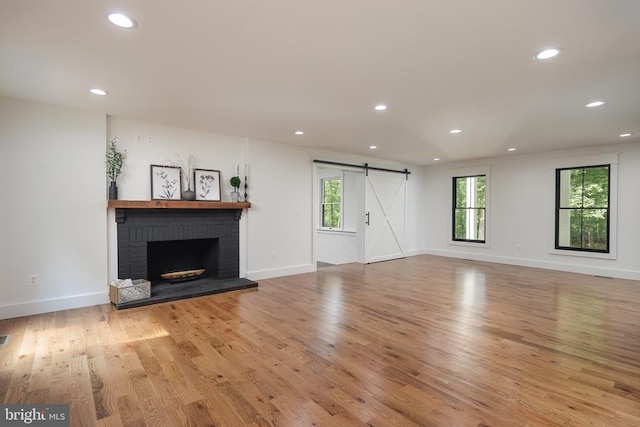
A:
(469, 208)
(582, 208)
(332, 203)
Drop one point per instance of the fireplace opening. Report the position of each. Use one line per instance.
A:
(182, 255)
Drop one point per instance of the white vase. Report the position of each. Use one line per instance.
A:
(234, 196)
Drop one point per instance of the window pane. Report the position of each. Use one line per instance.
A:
(564, 227)
(331, 216)
(460, 224)
(469, 224)
(594, 235)
(596, 187)
(461, 192)
(480, 183)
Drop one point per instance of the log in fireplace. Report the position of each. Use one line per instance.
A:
(159, 237)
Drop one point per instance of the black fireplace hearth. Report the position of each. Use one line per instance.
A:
(152, 242)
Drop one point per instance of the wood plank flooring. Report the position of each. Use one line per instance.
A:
(423, 341)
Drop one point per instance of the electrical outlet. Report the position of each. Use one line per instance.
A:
(273, 255)
(33, 279)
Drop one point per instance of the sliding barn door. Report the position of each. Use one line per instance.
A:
(385, 201)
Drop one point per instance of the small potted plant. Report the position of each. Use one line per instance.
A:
(114, 161)
(235, 183)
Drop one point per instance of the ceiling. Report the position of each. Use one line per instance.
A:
(264, 69)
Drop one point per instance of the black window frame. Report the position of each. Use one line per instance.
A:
(454, 208)
(558, 208)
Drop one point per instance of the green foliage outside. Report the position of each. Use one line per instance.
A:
(466, 205)
(584, 207)
(331, 194)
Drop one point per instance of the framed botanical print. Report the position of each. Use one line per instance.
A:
(166, 182)
(207, 184)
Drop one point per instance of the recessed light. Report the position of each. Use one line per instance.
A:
(624, 135)
(436, 159)
(546, 53)
(299, 132)
(455, 131)
(594, 104)
(122, 21)
(373, 147)
(511, 149)
(380, 107)
(100, 92)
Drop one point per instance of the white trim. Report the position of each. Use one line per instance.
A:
(336, 231)
(547, 265)
(57, 304)
(280, 272)
(416, 252)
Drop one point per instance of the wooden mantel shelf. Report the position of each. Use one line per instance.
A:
(175, 204)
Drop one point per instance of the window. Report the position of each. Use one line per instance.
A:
(582, 208)
(469, 208)
(332, 203)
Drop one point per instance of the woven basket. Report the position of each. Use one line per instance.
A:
(140, 289)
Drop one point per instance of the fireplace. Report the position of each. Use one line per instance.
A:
(174, 256)
(156, 241)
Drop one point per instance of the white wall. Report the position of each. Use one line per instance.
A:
(336, 247)
(55, 223)
(53, 215)
(280, 219)
(522, 213)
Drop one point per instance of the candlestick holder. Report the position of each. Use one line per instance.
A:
(245, 188)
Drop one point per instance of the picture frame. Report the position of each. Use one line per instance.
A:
(166, 182)
(206, 184)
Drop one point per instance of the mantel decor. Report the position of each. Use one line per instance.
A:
(235, 182)
(207, 184)
(187, 168)
(114, 162)
(166, 182)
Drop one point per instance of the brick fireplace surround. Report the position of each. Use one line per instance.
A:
(141, 223)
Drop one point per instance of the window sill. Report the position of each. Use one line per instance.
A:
(333, 231)
(469, 244)
(583, 254)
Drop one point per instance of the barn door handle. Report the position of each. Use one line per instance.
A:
(367, 218)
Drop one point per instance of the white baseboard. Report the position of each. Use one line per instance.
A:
(47, 306)
(279, 272)
(523, 262)
(414, 252)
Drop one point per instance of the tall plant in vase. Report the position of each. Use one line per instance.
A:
(187, 174)
(114, 162)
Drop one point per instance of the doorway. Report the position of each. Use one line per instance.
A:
(371, 224)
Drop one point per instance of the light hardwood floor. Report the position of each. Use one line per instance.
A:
(423, 341)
